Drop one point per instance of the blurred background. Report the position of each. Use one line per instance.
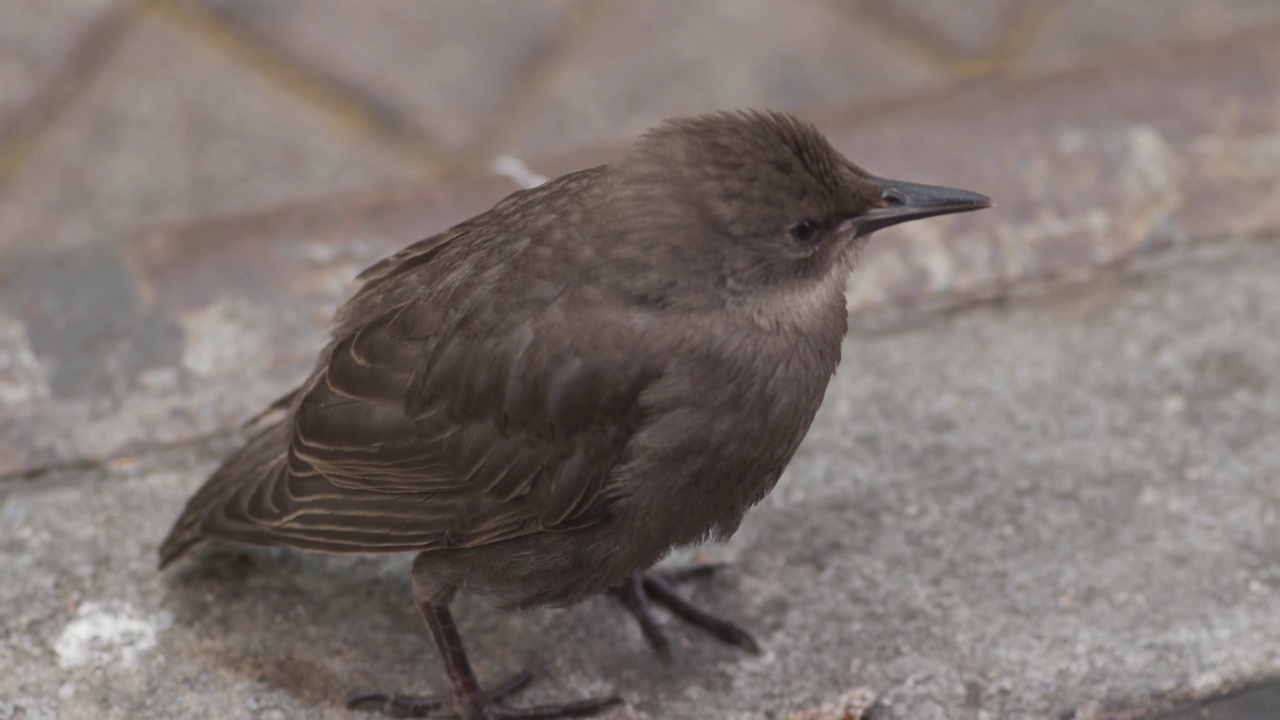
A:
(116, 115)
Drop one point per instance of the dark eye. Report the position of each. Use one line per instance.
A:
(805, 231)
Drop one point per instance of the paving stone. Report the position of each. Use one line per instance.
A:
(971, 27)
(171, 130)
(446, 65)
(642, 62)
(1080, 27)
(36, 36)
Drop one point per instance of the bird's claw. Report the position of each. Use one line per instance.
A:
(646, 587)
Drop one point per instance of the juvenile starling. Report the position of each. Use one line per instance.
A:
(544, 400)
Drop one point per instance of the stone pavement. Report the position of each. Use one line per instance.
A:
(116, 115)
(1063, 505)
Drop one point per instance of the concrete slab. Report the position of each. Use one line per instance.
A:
(646, 61)
(1081, 27)
(1015, 512)
(171, 131)
(971, 29)
(36, 38)
(448, 67)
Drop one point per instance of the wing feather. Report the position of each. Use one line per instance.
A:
(440, 415)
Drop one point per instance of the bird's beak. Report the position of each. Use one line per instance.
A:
(903, 201)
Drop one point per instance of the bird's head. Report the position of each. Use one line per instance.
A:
(765, 197)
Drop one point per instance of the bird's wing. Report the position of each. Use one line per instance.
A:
(426, 428)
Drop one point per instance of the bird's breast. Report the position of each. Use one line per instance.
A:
(722, 429)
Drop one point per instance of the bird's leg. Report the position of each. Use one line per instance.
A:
(468, 699)
(412, 706)
(642, 589)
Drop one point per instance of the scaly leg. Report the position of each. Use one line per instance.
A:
(468, 699)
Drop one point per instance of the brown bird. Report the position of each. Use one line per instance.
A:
(545, 399)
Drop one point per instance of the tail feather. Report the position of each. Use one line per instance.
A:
(264, 454)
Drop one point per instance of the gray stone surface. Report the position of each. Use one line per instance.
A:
(968, 28)
(171, 130)
(191, 115)
(1082, 27)
(446, 65)
(645, 61)
(1068, 504)
(36, 36)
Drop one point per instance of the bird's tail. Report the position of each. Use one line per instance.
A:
(264, 455)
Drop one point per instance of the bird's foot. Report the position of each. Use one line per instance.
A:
(646, 587)
(409, 706)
